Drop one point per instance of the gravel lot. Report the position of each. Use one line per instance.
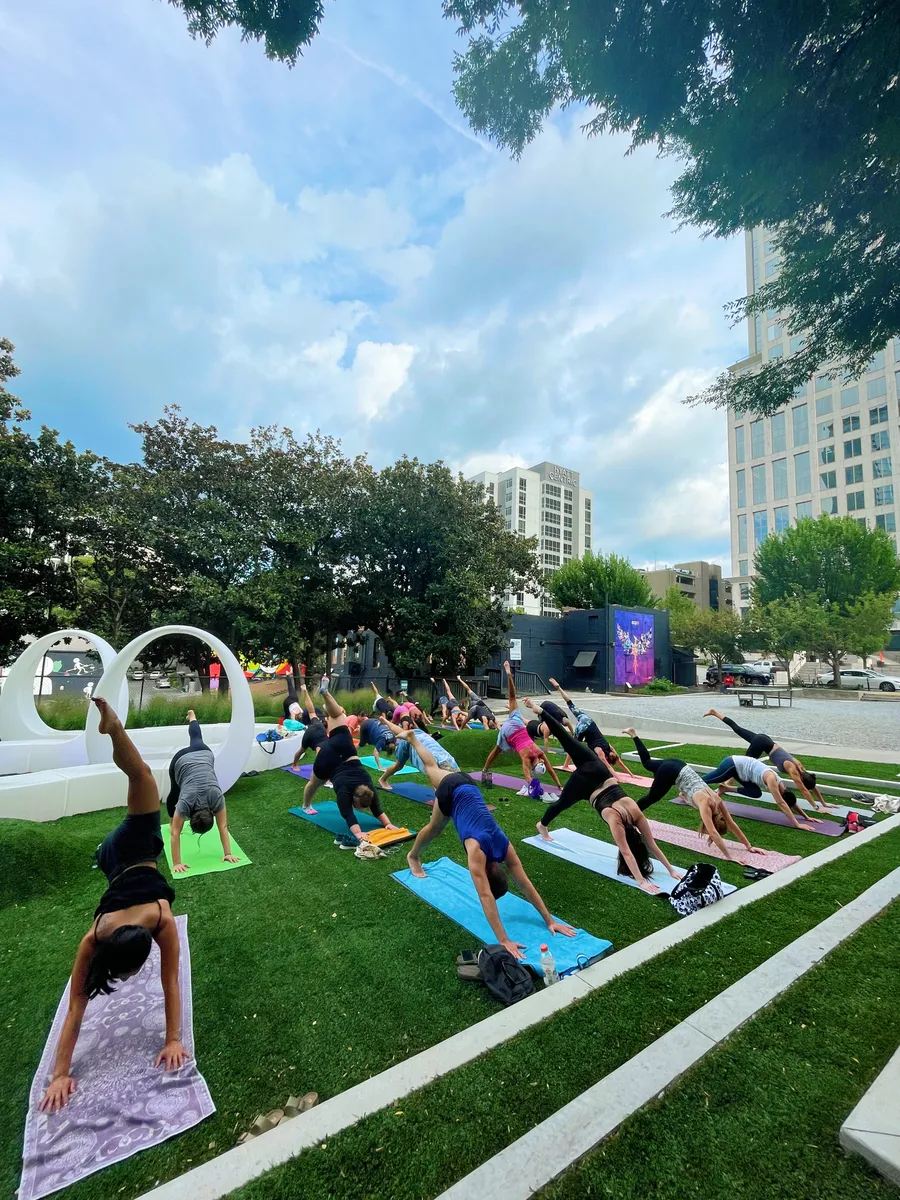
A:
(864, 725)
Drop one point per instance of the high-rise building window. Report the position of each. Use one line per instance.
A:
(770, 246)
(760, 527)
(739, 444)
(772, 266)
(802, 474)
(800, 390)
(758, 481)
(797, 343)
(853, 474)
(521, 512)
(801, 425)
(881, 440)
(823, 383)
(742, 533)
(824, 431)
(856, 501)
(742, 566)
(862, 522)
(876, 388)
(881, 468)
(877, 362)
(853, 448)
(567, 494)
(782, 519)
(587, 543)
(828, 480)
(779, 479)
(849, 397)
(826, 454)
(774, 332)
(567, 522)
(757, 439)
(776, 351)
(829, 506)
(741, 487)
(521, 527)
(878, 416)
(567, 508)
(779, 433)
(851, 424)
(824, 404)
(804, 509)
(884, 496)
(887, 522)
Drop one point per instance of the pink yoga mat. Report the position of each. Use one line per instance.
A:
(688, 839)
(123, 1103)
(774, 816)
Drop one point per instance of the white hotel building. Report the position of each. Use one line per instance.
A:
(546, 502)
(830, 451)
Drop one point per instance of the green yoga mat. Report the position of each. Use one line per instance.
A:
(369, 761)
(203, 852)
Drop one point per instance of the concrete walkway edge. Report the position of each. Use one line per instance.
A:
(873, 1128)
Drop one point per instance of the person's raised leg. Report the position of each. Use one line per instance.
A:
(143, 794)
(510, 688)
(194, 733)
(579, 753)
(650, 764)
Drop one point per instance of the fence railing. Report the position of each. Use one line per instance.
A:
(527, 683)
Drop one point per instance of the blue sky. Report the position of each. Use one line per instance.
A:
(331, 247)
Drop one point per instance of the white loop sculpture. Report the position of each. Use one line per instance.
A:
(231, 754)
(19, 718)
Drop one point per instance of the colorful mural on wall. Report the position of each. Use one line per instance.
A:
(633, 648)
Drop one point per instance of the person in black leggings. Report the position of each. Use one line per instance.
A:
(593, 781)
(195, 795)
(788, 764)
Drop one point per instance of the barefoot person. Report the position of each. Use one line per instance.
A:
(338, 761)
(134, 911)
(588, 731)
(759, 744)
(538, 727)
(668, 773)
(514, 738)
(408, 752)
(752, 776)
(195, 796)
(451, 713)
(478, 709)
(488, 849)
(594, 781)
(315, 735)
(377, 735)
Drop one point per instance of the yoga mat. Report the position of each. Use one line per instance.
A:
(752, 813)
(601, 858)
(514, 782)
(123, 1103)
(327, 816)
(369, 761)
(203, 852)
(420, 792)
(449, 888)
(689, 839)
(304, 772)
(635, 780)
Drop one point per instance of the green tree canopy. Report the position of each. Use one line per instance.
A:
(718, 634)
(784, 628)
(682, 611)
(783, 115)
(597, 580)
(833, 558)
(860, 627)
(283, 26)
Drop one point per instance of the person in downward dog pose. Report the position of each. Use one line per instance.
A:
(538, 728)
(594, 781)
(759, 744)
(588, 731)
(514, 738)
(316, 733)
(753, 776)
(488, 849)
(380, 704)
(668, 773)
(195, 796)
(408, 752)
(377, 735)
(338, 762)
(451, 713)
(478, 709)
(134, 911)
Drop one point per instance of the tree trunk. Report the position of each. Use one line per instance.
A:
(836, 669)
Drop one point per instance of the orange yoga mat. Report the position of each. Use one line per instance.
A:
(390, 837)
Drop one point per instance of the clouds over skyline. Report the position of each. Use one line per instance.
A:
(330, 247)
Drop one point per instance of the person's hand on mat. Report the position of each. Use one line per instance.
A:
(806, 825)
(515, 948)
(230, 858)
(390, 825)
(648, 886)
(180, 868)
(758, 850)
(559, 927)
(676, 873)
(172, 1056)
(58, 1094)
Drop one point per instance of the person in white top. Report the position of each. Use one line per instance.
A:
(755, 776)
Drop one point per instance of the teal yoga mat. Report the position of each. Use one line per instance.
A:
(369, 761)
(328, 817)
(449, 888)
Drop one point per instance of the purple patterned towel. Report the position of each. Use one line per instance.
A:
(122, 1103)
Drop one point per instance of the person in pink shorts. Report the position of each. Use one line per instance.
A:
(514, 738)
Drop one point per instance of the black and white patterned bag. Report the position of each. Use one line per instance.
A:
(700, 886)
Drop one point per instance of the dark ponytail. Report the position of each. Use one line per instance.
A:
(124, 953)
(638, 848)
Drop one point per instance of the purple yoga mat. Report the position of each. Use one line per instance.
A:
(123, 1103)
(514, 782)
(774, 816)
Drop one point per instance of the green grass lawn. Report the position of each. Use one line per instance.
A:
(314, 970)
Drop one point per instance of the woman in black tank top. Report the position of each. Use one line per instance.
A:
(134, 911)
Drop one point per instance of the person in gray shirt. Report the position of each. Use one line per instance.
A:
(195, 795)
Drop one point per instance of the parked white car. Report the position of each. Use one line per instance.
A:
(857, 677)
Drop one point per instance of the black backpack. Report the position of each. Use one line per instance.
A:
(700, 886)
(507, 979)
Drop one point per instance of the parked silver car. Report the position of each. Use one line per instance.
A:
(858, 677)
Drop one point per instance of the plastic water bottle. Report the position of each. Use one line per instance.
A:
(548, 966)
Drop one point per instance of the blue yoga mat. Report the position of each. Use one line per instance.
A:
(420, 792)
(327, 816)
(449, 889)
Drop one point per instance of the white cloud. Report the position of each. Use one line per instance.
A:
(379, 371)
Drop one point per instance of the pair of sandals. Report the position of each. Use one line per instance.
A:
(756, 873)
(293, 1108)
(467, 968)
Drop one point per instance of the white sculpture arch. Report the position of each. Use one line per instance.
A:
(231, 754)
(19, 718)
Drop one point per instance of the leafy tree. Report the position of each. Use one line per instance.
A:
(284, 26)
(784, 628)
(725, 88)
(598, 580)
(432, 565)
(682, 611)
(861, 627)
(44, 485)
(833, 558)
(718, 634)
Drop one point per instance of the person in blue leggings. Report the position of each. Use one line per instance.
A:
(489, 852)
(752, 776)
